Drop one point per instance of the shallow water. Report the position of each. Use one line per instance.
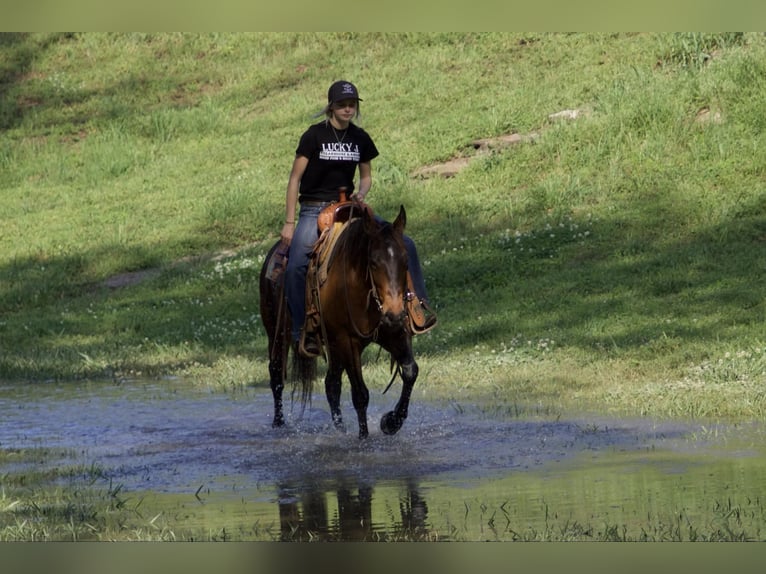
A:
(212, 460)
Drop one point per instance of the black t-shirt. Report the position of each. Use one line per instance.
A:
(333, 156)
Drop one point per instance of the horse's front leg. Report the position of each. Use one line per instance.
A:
(392, 421)
(346, 355)
(360, 396)
(332, 386)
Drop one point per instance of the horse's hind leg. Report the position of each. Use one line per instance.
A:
(332, 386)
(277, 386)
(277, 362)
(274, 317)
(393, 420)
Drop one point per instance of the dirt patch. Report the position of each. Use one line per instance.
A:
(477, 148)
(130, 278)
(484, 146)
(446, 169)
(708, 116)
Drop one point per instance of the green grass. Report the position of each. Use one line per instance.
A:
(616, 263)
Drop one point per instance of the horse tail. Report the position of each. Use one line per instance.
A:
(303, 375)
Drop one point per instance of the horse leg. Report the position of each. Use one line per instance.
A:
(275, 320)
(392, 421)
(277, 361)
(277, 386)
(332, 385)
(360, 396)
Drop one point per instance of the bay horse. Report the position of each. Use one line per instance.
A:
(362, 301)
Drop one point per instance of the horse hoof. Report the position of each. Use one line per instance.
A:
(390, 423)
(278, 422)
(340, 426)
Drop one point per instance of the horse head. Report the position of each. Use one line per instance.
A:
(388, 268)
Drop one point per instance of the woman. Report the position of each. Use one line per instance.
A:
(326, 160)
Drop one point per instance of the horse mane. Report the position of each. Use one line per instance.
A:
(355, 240)
(361, 232)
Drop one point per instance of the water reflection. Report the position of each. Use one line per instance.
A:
(347, 514)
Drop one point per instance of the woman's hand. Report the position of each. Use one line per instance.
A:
(287, 233)
(356, 198)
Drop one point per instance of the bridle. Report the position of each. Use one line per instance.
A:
(372, 296)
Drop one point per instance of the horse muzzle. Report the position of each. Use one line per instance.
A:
(393, 319)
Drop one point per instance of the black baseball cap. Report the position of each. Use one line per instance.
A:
(342, 90)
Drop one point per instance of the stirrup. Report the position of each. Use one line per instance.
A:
(422, 317)
(309, 345)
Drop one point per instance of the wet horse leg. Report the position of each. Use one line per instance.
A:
(392, 421)
(277, 361)
(332, 386)
(345, 354)
(276, 375)
(360, 396)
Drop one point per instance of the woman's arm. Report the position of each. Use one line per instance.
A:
(365, 180)
(291, 198)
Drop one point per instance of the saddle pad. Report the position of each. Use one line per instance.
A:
(325, 249)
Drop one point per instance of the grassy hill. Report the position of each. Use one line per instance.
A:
(613, 259)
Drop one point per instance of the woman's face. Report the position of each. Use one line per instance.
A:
(345, 110)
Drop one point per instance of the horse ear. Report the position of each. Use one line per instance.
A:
(401, 220)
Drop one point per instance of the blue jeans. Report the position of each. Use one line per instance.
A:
(301, 246)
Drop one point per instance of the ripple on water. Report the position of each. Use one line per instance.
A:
(166, 436)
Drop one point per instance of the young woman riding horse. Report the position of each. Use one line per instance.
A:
(368, 295)
(326, 160)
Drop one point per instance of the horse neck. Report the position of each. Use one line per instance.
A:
(356, 246)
